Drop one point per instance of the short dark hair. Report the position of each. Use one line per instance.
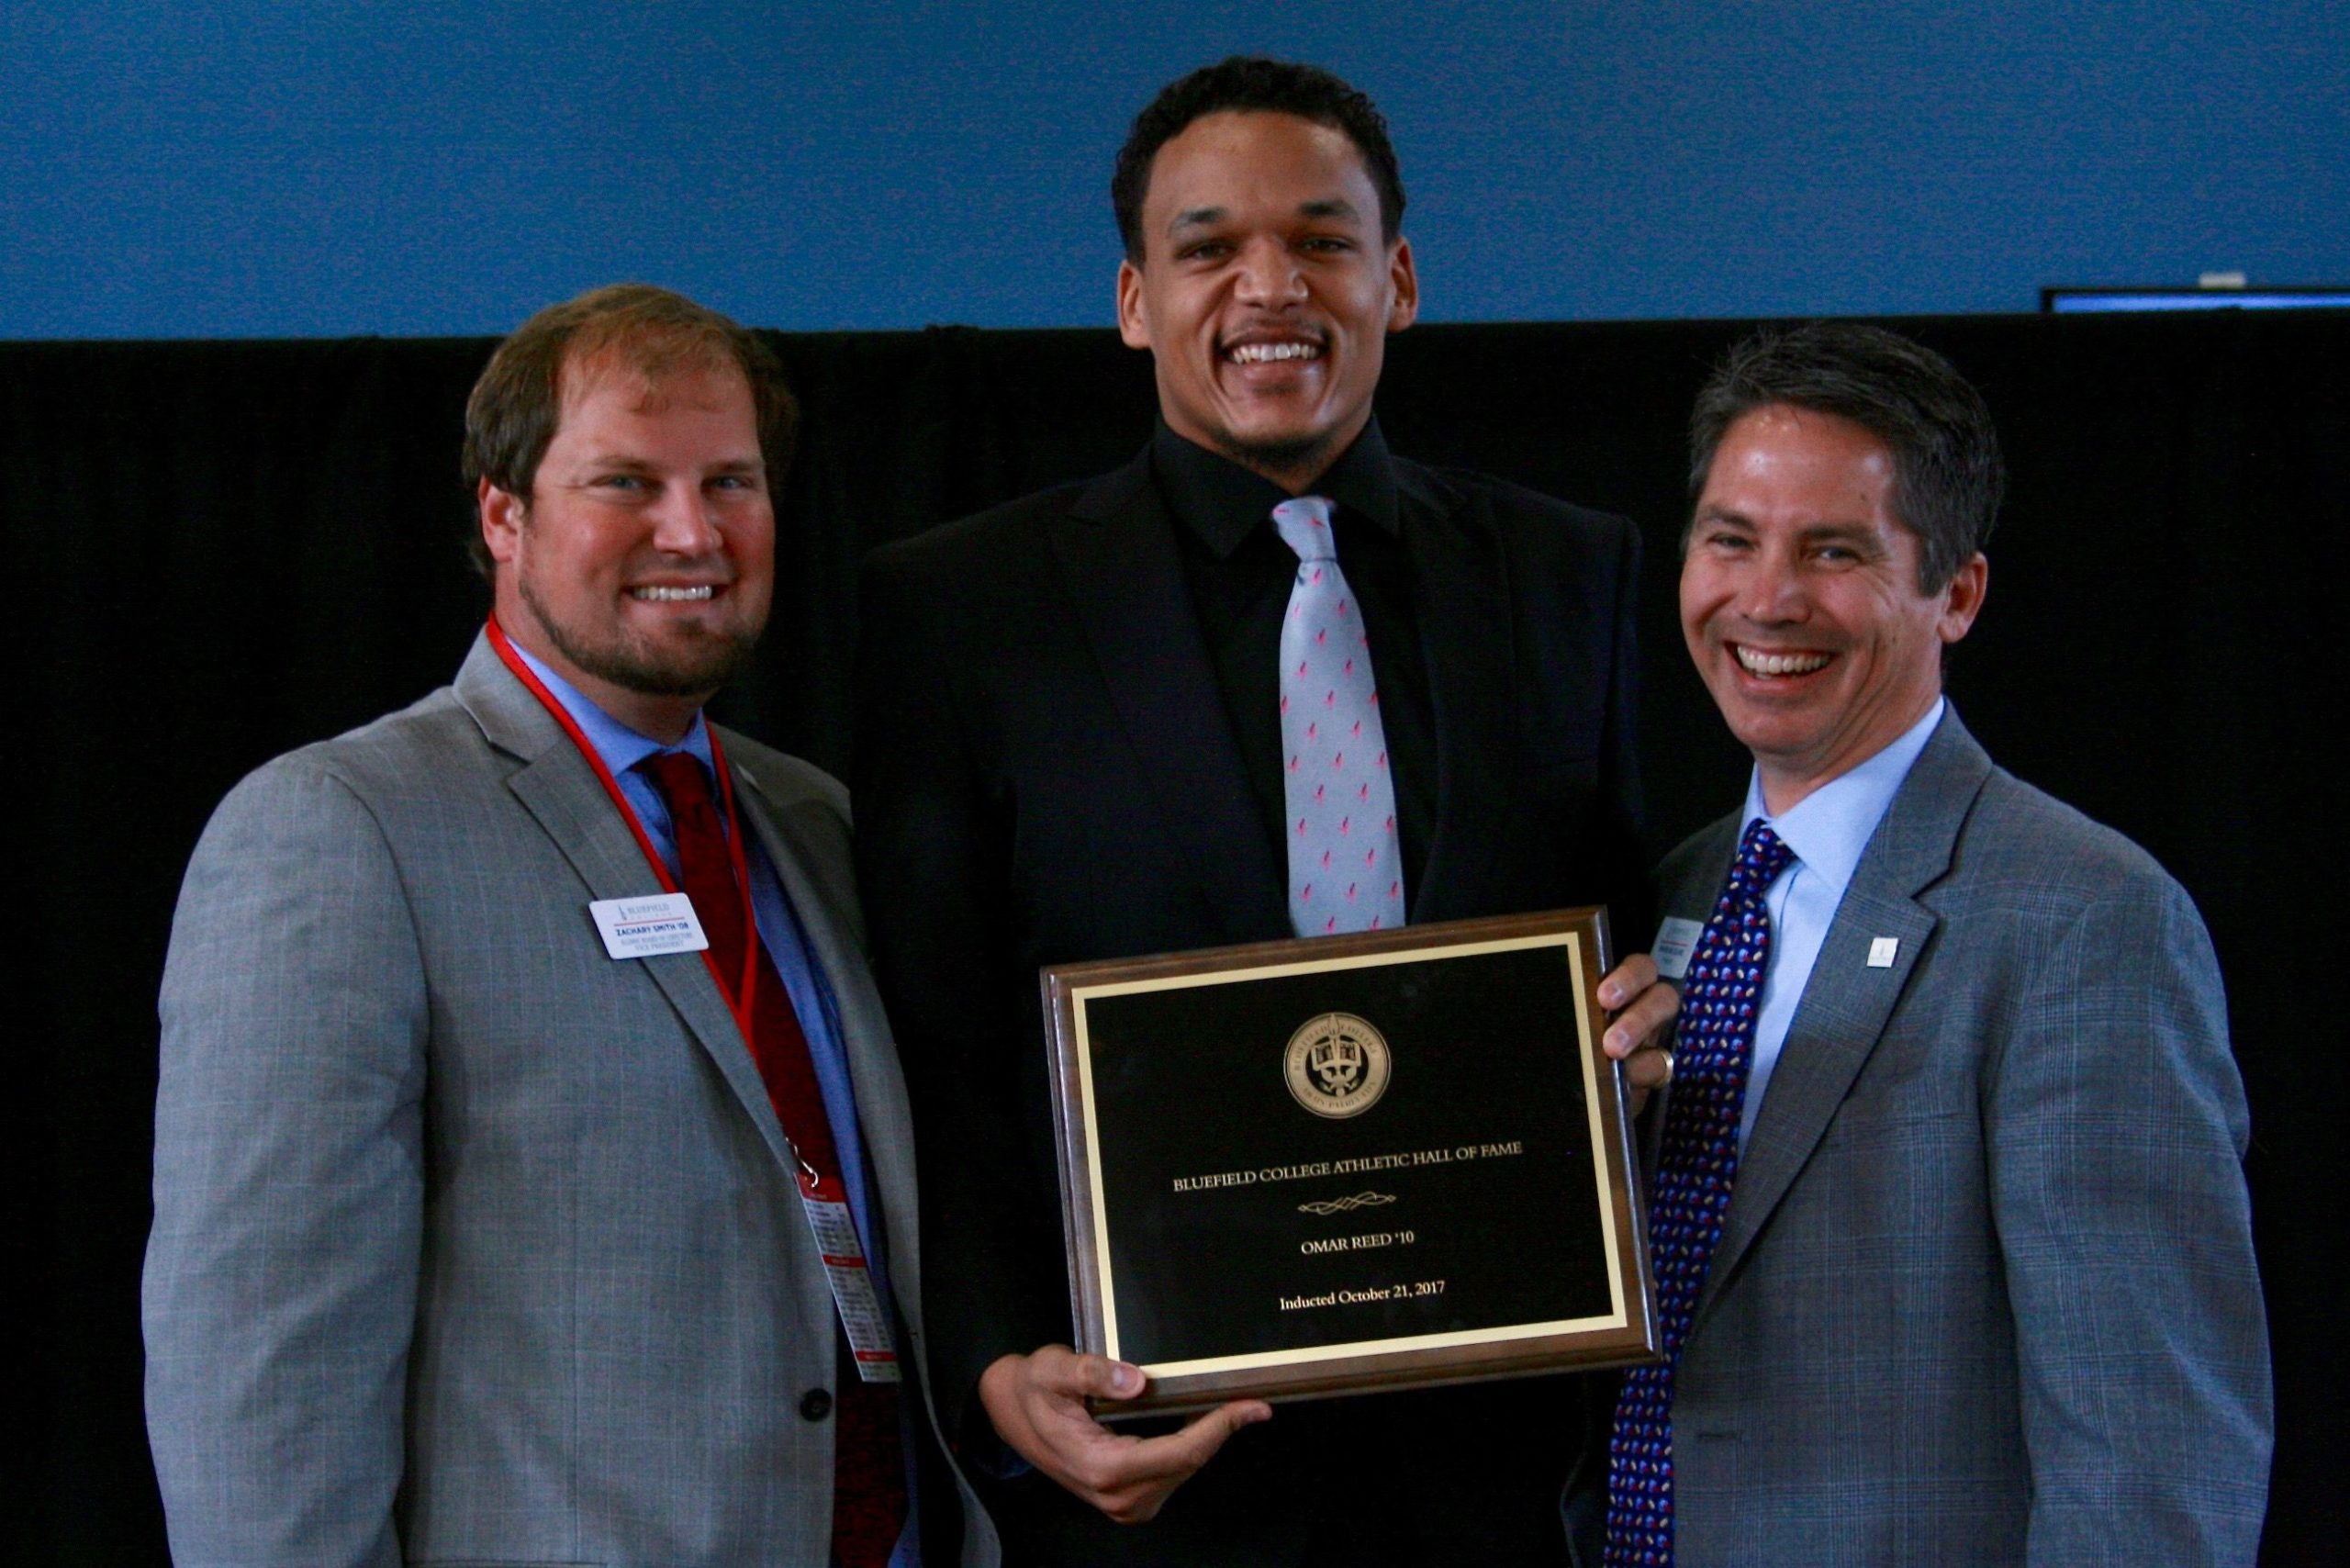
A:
(515, 406)
(1947, 472)
(1251, 84)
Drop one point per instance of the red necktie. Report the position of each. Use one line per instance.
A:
(868, 1465)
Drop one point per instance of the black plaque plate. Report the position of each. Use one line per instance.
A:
(1323, 1166)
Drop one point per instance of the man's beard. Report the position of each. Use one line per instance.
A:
(696, 670)
(1272, 458)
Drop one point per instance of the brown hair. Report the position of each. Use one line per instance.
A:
(512, 416)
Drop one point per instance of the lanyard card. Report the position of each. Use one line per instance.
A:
(870, 1343)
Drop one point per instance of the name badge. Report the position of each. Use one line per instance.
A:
(1675, 941)
(648, 927)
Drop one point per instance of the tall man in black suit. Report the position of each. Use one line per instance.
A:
(1074, 748)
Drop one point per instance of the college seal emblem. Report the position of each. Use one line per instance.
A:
(1336, 1065)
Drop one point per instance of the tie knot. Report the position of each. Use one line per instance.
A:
(678, 776)
(1303, 524)
(1761, 856)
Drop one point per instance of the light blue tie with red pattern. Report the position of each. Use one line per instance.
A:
(1344, 871)
(1696, 1166)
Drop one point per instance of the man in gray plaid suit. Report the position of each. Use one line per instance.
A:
(496, 1218)
(1984, 1288)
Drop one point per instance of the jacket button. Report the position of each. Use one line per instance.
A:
(815, 1405)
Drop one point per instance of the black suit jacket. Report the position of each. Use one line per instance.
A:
(1047, 774)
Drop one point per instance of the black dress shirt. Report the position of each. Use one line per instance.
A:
(1240, 572)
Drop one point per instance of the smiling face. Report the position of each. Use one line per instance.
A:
(1266, 291)
(1799, 599)
(640, 565)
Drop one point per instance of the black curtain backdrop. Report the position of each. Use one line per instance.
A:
(225, 550)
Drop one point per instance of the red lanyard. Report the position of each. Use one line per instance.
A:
(741, 1008)
(830, 1219)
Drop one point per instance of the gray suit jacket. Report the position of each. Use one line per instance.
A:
(471, 1244)
(1985, 1290)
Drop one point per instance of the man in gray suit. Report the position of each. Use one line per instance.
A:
(532, 1176)
(1946, 1197)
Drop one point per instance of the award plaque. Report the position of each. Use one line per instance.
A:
(1346, 1163)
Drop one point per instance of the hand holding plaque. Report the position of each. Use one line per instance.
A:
(1319, 1166)
(1041, 1405)
(1635, 1040)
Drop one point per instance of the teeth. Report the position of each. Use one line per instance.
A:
(1754, 661)
(666, 595)
(1265, 353)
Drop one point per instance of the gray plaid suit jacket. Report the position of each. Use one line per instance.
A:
(1986, 1292)
(471, 1244)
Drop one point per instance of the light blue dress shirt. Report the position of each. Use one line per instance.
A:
(622, 749)
(1828, 829)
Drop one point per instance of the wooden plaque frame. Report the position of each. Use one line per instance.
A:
(1624, 1334)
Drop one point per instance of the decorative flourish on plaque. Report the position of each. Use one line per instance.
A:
(1346, 1205)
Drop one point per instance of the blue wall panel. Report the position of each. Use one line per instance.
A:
(249, 168)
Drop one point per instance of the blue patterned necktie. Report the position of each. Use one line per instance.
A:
(1696, 1165)
(1344, 871)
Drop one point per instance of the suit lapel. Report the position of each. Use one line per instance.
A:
(1847, 1001)
(834, 932)
(1117, 548)
(1461, 584)
(560, 790)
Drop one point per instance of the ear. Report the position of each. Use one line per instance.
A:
(1406, 285)
(501, 521)
(1964, 599)
(1133, 328)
